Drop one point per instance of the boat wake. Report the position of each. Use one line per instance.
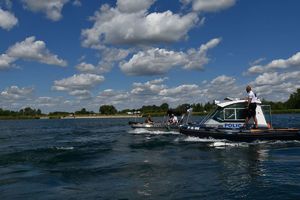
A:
(222, 143)
(215, 143)
(64, 148)
(197, 139)
(154, 132)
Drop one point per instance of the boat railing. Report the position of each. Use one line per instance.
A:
(268, 114)
(207, 117)
(189, 113)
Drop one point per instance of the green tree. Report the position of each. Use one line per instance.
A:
(108, 110)
(197, 107)
(28, 111)
(150, 109)
(38, 112)
(59, 113)
(164, 107)
(294, 101)
(83, 111)
(182, 108)
(5, 112)
(208, 107)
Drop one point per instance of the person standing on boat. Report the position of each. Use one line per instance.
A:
(251, 106)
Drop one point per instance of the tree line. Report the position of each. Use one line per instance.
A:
(292, 103)
(23, 113)
(26, 111)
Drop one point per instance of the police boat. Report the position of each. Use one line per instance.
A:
(227, 122)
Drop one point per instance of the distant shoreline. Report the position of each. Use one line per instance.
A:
(70, 117)
(100, 117)
(121, 116)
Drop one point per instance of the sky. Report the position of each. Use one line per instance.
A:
(64, 55)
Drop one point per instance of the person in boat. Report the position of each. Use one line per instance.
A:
(251, 106)
(173, 119)
(149, 120)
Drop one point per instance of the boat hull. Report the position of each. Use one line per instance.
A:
(241, 135)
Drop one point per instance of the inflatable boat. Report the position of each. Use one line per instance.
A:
(164, 125)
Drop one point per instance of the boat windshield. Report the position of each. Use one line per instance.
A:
(231, 113)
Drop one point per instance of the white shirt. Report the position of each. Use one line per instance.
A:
(252, 96)
(175, 120)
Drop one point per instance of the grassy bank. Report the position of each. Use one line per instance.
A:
(18, 117)
(66, 117)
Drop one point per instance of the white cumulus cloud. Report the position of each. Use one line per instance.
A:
(157, 92)
(78, 82)
(35, 50)
(149, 87)
(223, 80)
(130, 6)
(157, 61)
(110, 96)
(276, 78)
(47, 101)
(52, 8)
(154, 61)
(14, 93)
(78, 85)
(81, 94)
(289, 63)
(115, 26)
(220, 87)
(6, 61)
(180, 90)
(198, 58)
(32, 50)
(77, 3)
(7, 20)
(109, 56)
(209, 5)
(86, 67)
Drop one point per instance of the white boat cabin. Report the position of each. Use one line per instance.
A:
(232, 114)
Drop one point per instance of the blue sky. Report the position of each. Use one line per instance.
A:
(70, 54)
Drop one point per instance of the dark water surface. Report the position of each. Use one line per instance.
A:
(105, 159)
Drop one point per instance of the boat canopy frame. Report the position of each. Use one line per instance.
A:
(234, 111)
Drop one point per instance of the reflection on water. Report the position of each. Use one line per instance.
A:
(239, 170)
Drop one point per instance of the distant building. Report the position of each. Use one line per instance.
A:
(134, 113)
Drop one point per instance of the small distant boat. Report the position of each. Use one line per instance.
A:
(227, 120)
(164, 125)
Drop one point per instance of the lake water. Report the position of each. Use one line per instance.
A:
(105, 159)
